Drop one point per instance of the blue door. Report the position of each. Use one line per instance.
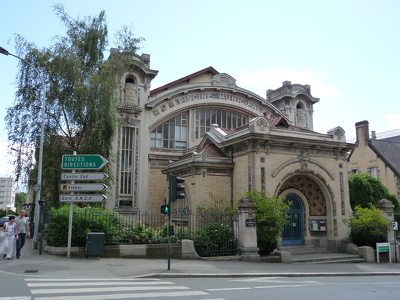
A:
(293, 232)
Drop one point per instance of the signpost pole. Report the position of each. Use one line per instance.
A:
(395, 228)
(169, 220)
(71, 210)
(395, 245)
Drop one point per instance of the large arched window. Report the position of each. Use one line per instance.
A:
(205, 118)
(172, 134)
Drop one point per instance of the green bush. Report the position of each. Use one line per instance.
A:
(368, 226)
(365, 190)
(84, 220)
(92, 219)
(215, 239)
(270, 218)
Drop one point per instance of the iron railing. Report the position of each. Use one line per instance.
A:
(214, 234)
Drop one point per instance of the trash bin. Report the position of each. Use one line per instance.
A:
(95, 244)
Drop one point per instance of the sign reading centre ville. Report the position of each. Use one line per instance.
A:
(83, 162)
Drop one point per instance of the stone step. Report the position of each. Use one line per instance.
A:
(311, 254)
(327, 258)
(304, 249)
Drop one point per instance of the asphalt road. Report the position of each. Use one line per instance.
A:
(18, 287)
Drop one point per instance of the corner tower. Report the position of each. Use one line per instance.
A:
(296, 102)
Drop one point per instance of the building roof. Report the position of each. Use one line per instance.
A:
(187, 78)
(389, 151)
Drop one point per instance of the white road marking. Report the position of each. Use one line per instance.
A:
(126, 296)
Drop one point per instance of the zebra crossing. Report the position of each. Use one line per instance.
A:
(108, 288)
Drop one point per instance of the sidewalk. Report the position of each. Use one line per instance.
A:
(45, 265)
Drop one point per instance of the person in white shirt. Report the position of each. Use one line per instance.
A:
(23, 230)
(12, 233)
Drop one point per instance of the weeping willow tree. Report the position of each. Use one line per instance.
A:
(80, 97)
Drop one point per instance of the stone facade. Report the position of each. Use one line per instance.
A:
(225, 140)
(377, 156)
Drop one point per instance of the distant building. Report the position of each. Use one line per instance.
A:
(226, 140)
(378, 155)
(7, 193)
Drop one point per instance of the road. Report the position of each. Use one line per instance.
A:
(274, 288)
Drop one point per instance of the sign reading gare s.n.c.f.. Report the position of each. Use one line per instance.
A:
(83, 162)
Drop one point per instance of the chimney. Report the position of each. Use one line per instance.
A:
(362, 131)
(373, 134)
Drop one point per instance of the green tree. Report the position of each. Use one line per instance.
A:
(366, 189)
(270, 218)
(20, 200)
(80, 86)
(368, 226)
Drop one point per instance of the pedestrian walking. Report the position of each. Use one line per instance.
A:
(12, 233)
(23, 230)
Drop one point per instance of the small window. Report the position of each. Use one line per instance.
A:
(373, 171)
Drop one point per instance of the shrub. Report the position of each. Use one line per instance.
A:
(91, 219)
(215, 239)
(366, 189)
(368, 226)
(270, 218)
(84, 220)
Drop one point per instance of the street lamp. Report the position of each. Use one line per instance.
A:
(39, 179)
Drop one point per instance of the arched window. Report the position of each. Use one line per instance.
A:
(130, 91)
(172, 134)
(205, 118)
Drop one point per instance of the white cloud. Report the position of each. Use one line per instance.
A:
(259, 82)
(393, 121)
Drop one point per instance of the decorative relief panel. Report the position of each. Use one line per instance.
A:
(311, 190)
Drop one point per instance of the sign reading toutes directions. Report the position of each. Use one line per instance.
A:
(90, 187)
(83, 162)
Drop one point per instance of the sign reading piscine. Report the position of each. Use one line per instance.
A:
(83, 162)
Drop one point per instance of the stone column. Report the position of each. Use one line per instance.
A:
(247, 237)
(387, 208)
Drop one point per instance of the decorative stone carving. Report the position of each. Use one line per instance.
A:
(304, 160)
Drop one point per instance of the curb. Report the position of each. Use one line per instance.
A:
(235, 275)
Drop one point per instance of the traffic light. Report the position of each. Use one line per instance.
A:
(171, 230)
(177, 190)
(165, 209)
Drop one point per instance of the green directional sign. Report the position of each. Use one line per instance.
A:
(83, 162)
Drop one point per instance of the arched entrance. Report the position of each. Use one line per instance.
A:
(293, 233)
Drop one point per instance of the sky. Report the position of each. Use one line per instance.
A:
(347, 50)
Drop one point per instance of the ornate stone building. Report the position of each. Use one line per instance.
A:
(226, 140)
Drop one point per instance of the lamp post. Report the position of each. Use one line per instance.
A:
(39, 178)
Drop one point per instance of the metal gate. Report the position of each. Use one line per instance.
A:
(293, 233)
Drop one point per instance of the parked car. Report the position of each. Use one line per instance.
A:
(3, 220)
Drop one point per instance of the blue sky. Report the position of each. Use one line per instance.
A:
(348, 51)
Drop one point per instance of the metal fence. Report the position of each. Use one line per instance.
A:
(214, 234)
